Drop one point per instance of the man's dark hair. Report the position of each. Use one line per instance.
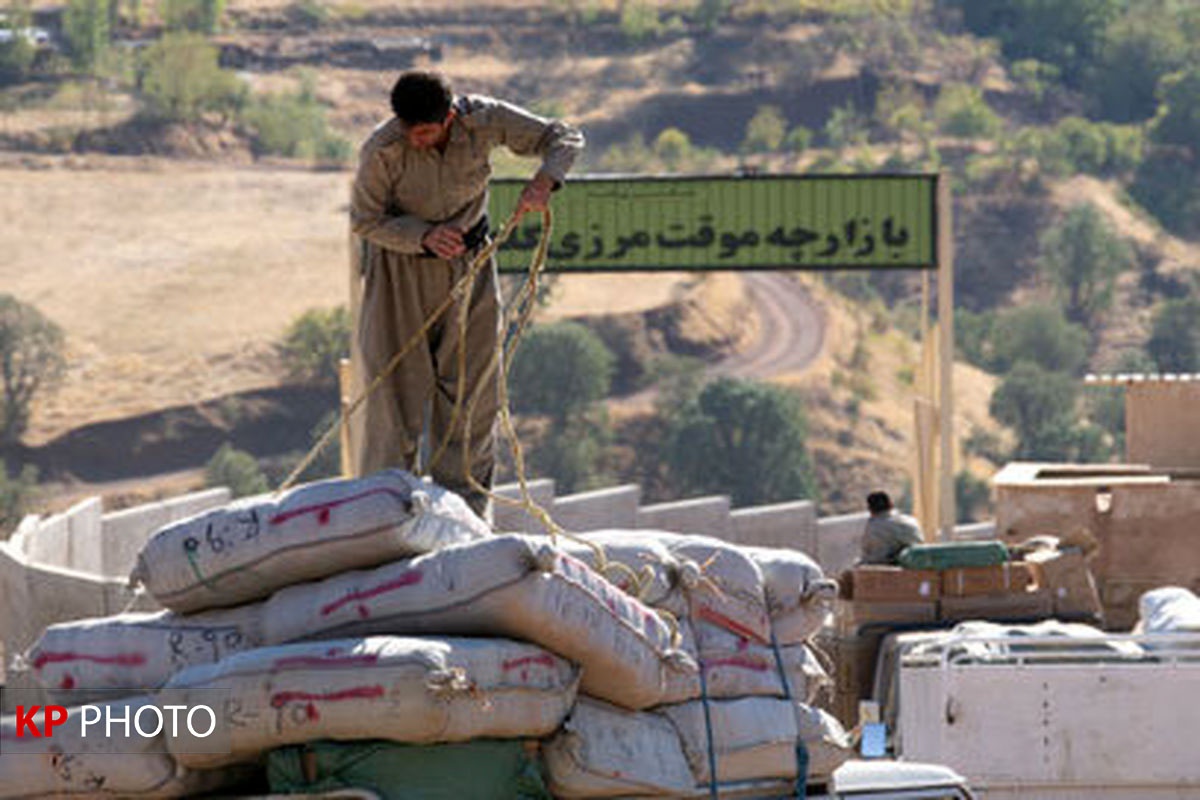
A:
(879, 502)
(419, 97)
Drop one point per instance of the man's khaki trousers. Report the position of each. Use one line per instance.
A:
(399, 293)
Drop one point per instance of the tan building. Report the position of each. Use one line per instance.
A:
(1144, 515)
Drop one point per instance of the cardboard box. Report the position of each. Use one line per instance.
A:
(1065, 574)
(883, 584)
(1013, 577)
(1024, 607)
(855, 615)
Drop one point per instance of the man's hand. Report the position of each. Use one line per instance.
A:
(445, 241)
(536, 194)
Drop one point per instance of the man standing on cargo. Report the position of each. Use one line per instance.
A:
(888, 531)
(419, 209)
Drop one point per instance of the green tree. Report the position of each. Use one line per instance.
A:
(961, 110)
(86, 26)
(30, 360)
(972, 497)
(237, 470)
(559, 370)
(313, 345)
(765, 131)
(573, 452)
(16, 492)
(1142, 47)
(1040, 407)
(196, 16)
(1175, 336)
(1083, 258)
(845, 128)
(639, 20)
(1040, 334)
(674, 147)
(709, 12)
(797, 140)
(16, 52)
(743, 439)
(1178, 119)
(1065, 33)
(181, 79)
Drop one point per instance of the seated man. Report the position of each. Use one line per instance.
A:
(888, 532)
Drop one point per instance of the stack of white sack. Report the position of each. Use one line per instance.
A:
(747, 615)
(82, 758)
(239, 553)
(265, 592)
(603, 751)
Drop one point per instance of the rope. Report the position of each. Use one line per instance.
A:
(801, 750)
(713, 791)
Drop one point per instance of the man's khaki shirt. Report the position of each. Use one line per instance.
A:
(886, 536)
(400, 192)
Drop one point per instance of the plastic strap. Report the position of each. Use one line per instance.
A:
(708, 732)
(801, 750)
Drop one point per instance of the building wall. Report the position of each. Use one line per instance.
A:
(1160, 423)
(1145, 526)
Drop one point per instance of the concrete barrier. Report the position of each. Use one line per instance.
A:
(839, 540)
(616, 507)
(510, 519)
(791, 525)
(704, 515)
(124, 532)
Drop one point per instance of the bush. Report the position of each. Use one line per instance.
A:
(237, 470)
(295, 125)
(182, 80)
(197, 16)
(640, 20)
(573, 453)
(30, 360)
(972, 497)
(1139, 50)
(765, 131)
(962, 111)
(1040, 407)
(1175, 336)
(1039, 334)
(313, 345)
(559, 370)
(674, 147)
(1167, 184)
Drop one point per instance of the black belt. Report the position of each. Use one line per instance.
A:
(473, 239)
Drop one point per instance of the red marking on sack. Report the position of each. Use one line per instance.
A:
(322, 510)
(310, 711)
(709, 614)
(409, 578)
(280, 699)
(328, 660)
(120, 659)
(545, 660)
(68, 682)
(757, 665)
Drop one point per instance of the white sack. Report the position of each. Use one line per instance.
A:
(511, 585)
(737, 667)
(606, 752)
(418, 691)
(1170, 609)
(647, 569)
(248, 549)
(95, 765)
(139, 652)
(800, 599)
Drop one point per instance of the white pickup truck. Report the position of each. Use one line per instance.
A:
(1034, 715)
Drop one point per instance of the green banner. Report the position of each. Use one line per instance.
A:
(799, 222)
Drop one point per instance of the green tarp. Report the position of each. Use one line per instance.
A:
(952, 555)
(478, 770)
